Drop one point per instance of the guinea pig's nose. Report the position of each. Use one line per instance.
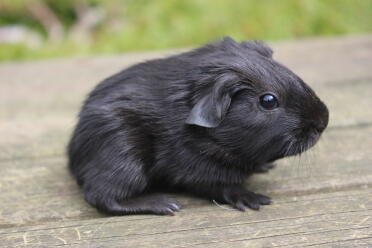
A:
(317, 126)
(320, 127)
(322, 123)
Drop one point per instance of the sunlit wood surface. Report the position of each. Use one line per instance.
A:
(322, 198)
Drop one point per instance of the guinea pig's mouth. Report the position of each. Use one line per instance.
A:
(298, 145)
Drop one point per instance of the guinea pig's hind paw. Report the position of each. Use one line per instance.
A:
(243, 199)
(155, 204)
(151, 204)
(165, 208)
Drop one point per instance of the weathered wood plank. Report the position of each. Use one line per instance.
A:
(344, 237)
(335, 59)
(352, 242)
(303, 220)
(42, 190)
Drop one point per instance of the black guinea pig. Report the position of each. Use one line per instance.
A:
(201, 121)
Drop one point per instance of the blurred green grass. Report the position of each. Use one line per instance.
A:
(162, 24)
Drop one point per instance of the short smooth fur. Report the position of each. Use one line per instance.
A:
(198, 121)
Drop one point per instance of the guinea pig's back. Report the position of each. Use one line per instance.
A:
(139, 100)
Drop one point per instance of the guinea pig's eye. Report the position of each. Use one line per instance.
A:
(269, 101)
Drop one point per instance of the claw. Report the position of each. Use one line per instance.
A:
(254, 206)
(240, 206)
(264, 200)
(175, 207)
(168, 211)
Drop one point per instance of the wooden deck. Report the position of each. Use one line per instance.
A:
(321, 199)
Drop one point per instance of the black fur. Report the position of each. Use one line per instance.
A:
(191, 121)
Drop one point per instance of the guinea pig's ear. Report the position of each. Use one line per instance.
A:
(259, 47)
(212, 107)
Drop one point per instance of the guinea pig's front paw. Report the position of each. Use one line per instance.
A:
(240, 198)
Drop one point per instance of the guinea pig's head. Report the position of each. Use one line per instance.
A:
(252, 105)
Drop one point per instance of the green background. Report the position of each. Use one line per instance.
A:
(139, 25)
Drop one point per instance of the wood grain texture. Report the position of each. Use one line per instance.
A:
(305, 220)
(321, 199)
(51, 193)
